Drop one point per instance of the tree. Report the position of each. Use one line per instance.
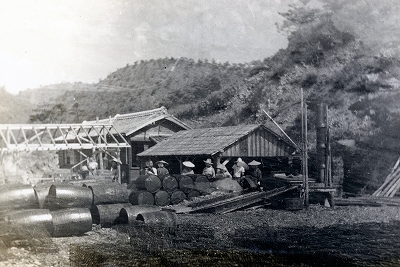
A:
(57, 114)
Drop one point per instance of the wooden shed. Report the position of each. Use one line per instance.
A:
(222, 143)
(141, 130)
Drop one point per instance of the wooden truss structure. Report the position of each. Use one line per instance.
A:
(42, 137)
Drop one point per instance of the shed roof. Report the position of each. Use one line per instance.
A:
(132, 122)
(207, 141)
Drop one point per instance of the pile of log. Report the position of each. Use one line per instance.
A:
(170, 190)
(392, 183)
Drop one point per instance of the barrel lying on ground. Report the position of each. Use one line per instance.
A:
(129, 214)
(165, 218)
(177, 197)
(69, 196)
(170, 184)
(149, 183)
(71, 222)
(186, 184)
(162, 198)
(32, 220)
(141, 197)
(107, 215)
(109, 193)
(18, 197)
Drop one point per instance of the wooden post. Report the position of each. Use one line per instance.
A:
(304, 150)
(119, 167)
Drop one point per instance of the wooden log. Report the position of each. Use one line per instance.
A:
(141, 197)
(186, 184)
(177, 197)
(162, 198)
(150, 183)
(170, 184)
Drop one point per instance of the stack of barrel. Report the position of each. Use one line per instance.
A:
(66, 209)
(169, 190)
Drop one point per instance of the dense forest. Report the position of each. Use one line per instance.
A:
(334, 60)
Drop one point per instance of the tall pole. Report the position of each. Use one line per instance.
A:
(304, 150)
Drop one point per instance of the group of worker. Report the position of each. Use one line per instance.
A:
(247, 175)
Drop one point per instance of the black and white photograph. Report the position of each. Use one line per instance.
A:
(199, 133)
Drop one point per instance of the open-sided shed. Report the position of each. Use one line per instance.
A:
(222, 143)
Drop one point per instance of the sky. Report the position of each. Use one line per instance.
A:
(53, 41)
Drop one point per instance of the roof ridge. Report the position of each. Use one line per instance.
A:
(161, 110)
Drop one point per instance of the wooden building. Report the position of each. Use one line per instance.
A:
(141, 130)
(220, 144)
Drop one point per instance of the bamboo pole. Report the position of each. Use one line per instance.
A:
(387, 184)
(394, 188)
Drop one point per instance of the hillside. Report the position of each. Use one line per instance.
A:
(332, 65)
(12, 108)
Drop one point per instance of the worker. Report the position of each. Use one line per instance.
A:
(222, 172)
(92, 165)
(162, 172)
(114, 169)
(208, 169)
(254, 177)
(187, 168)
(149, 168)
(239, 169)
(84, 171)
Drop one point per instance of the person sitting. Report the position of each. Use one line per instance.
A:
(187, 168)
(149, 169)
(252, 180)
(222, 172)
(162, 172)
(208, 169)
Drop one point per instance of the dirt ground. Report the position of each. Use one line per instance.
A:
(258, 237)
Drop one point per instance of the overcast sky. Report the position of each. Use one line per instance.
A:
(52, 41)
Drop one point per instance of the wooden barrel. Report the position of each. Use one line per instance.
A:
(162, 198)
(150, 183)
(192, 194)
(31, 220)
(170, 184)
(186, 184)
(63, 196)
(201, 179)
(129, 214)
(204, 188)
(141, 197)
(107, 215)
(71, 222)
(109, 193)
(177, 197)
(18, 197)
(165, 218)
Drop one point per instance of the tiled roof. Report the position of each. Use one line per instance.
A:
(132, 122)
